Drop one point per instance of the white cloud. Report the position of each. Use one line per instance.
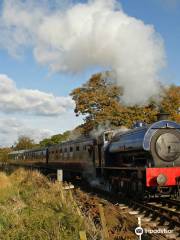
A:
(96, 33)
(12, 128)
(31, 101)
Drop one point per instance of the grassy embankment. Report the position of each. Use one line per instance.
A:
(31, 207)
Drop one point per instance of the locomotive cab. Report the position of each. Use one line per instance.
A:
(105, 137)
(102, 143)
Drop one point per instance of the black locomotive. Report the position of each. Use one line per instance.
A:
(145, 159)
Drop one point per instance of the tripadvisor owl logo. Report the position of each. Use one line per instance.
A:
(139, 230)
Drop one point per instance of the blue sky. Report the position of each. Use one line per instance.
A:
(29, 72)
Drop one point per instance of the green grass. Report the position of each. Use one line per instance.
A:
(31, 207)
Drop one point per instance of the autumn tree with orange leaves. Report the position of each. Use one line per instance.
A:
(171, 102)
(99, 101)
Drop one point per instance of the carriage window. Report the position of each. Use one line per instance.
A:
(71, 149)
(65, 150)
(77, 148)
(60, 150)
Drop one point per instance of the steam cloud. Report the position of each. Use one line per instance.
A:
(96, 33)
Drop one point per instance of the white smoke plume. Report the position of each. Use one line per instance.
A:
(101, 128)
(76, 37)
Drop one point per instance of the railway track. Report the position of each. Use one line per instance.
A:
(158, 212)
(122, 214)
(161, 214)
(163, 209)
(154, 215)
(170, 202)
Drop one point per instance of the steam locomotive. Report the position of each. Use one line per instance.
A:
(143, 160)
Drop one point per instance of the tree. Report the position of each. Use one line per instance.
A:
(60, 137)
(99, 101)
(55, 139)
(24, 142)
(4, 154)
(146, 114)
(170, 102)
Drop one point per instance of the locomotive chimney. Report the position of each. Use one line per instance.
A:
(162, 115)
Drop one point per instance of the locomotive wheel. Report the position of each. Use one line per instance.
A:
(137, 187)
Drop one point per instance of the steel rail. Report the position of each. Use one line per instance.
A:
(157, 212)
